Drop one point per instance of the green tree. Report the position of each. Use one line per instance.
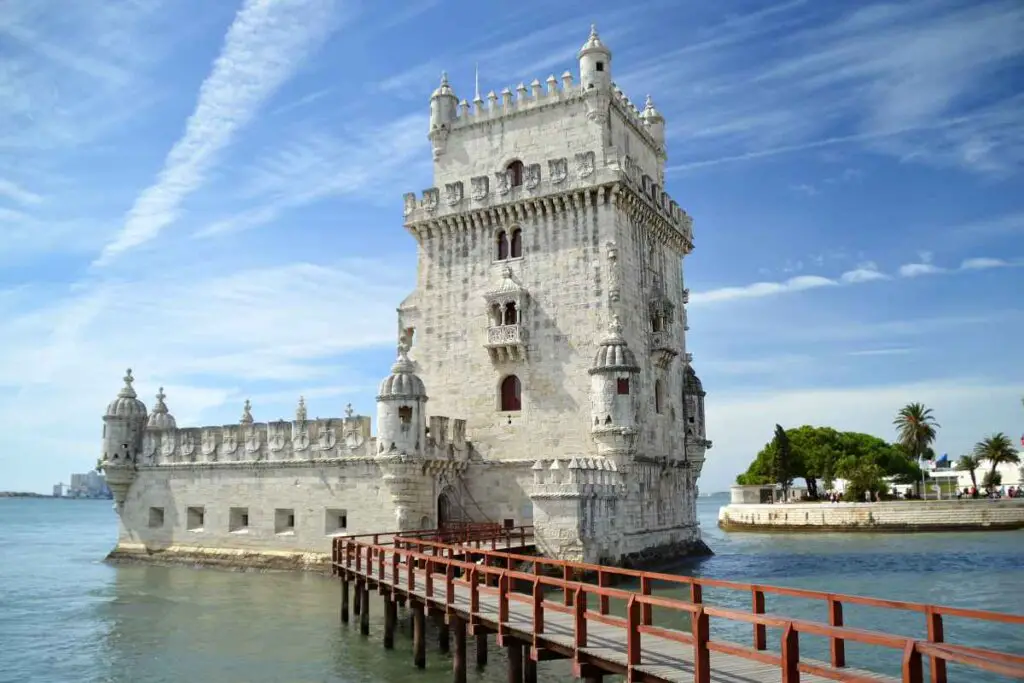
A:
(782, 463)
(969, 464)
(916, 429)
(862, 475)
(998, 450)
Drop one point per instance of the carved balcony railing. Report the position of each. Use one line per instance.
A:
(664, 348)
(506, 342)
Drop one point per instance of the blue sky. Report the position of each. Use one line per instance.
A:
(210, 192)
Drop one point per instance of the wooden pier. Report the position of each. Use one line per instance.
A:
(468, 580)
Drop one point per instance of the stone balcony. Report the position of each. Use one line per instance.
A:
(506, 342)
(664, 348)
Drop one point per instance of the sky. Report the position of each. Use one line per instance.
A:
(211, 194)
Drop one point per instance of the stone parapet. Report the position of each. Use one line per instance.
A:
(898, 516)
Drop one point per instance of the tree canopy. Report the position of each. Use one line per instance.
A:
(822, 454)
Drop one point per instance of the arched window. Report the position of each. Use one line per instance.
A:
(515, 173)
(517, 243)
(502, 245)
(511, 315)
(496, 315)
(659, 396)
(511, 394)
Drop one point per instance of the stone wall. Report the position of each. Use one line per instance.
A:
(952, 515)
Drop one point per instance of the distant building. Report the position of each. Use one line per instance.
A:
(88, 485)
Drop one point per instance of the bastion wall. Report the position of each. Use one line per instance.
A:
(943, 515)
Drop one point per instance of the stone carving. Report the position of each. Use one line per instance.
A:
(430, 199)
(300, 439)
(230, 444)
(453, 193)
(300, 411)
(252, 440)
(149, 446)
(275, 439)
(532, 176)
(348, 411)
(208, 444)
(246, 413)
(327, 439)
(353, 437)
(188, 443)
(410, 203)
(584, 164)
(613, 272)
(504, 186)
(481, 187)
(401, 517)
(559, 169)
(167, 444)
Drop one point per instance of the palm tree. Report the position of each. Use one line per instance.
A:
(998, 449)
(915, 429)
(969, 463)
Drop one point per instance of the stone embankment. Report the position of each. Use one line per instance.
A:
(895, 516)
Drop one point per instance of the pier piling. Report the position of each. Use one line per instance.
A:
(344, 601)
(390, 617)
(364, 611)
(529, 666)
(443, 641)
(459, 659)
(419, 643)
(515, 662)
(481, 648)
(357, 597)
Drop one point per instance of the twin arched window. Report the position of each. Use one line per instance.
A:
(510, 246)
(511, 394)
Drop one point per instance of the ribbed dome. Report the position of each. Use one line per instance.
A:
(444, 89)
(161, 418)
(593, 43)
(691, 383)
(403, 382)
(650, 114)
(613, 354)
(127, 404)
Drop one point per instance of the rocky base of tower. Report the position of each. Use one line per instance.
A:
(221, 558)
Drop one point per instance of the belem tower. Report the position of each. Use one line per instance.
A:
(541, 374)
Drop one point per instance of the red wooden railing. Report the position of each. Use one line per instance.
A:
(495, 576)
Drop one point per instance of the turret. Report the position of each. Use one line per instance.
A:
(612, 377)
(161, 418)
(595, 63)
(654, 122)
(401, 414)
(123, 427)
(693, 415)
(444, 108)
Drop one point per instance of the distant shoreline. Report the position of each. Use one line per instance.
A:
(22, 494)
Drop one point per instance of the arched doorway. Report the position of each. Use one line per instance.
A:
(444, 511)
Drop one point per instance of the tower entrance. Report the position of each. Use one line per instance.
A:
(444, 511)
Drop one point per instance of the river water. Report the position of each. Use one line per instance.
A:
(67, 616)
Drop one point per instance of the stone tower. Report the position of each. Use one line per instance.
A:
(123, 427)
(547, 240)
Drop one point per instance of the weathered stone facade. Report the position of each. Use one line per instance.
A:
(549, 316)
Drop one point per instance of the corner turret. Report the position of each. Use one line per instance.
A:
(444, 108)
(654, 122)
(123, 426)
(161, 418)
(693, 415)
(401, 403)
(611, 394)
(595, 63)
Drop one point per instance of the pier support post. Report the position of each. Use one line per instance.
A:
(390, 617)
(529, 666)
(344, 600)
(443, 642)
(459, 659)
(419, 642)
(364, 611)
(357, 597)
(515, 662)
(481, 648)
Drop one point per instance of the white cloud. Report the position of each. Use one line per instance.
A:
(983, 263)
(919, 269)
(18, 194)
(740, 424)
(863, 274)
(761, 289)
(264, 46)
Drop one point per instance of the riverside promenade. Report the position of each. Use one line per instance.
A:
(483, 580)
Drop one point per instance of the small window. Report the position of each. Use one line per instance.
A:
(405, 414)
(659, 396)
(156, 518)
(335, 521)
(511, 394)
(238, 520)
(600, 66)
(515, 173)
(517, 243)
(623, 386)
(657, 323)
(284, 521)
(195, 518)
(502, 239)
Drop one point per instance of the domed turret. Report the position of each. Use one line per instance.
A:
(246, 418)
(444, 109)
(161, 418)
(401, 419)
(611, 390)
(654, 121)
(595, 62)
(693, 414)
(123, 426)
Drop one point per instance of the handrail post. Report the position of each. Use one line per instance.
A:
(838, 645)
(602, 581)
(633, 619)
(790, 655)
(410, 573)
(760, 633)
(579, 613)
(430, 578)
(449, 584)
(502, 606)
(395, 557)
(538, 608)
(359, 559)
(645, 589)
(696, 593)
(567, 593)
(913, 669)
(701, 629)
(474, 593)
(935, 635)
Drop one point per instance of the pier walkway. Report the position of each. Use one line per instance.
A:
(474, 580)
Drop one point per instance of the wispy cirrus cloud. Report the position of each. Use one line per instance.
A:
(264, 46)
(18, 194)
(862, 274)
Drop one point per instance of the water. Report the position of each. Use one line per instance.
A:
(66, 616)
